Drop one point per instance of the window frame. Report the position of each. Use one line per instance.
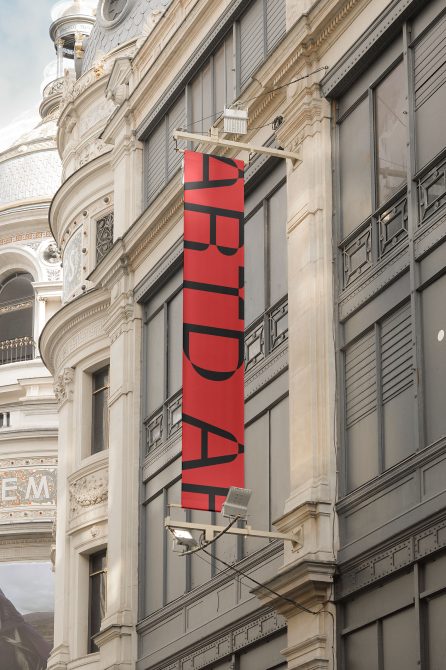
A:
(102, 573)
(94, 393)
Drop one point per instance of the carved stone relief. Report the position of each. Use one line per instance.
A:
(63, 386)
(88, 491)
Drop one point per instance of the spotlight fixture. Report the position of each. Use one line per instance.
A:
(182, 538)
(236, 503)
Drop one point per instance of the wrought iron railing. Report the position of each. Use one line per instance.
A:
(16, 350)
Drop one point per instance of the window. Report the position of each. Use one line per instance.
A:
(5, 419)
(16, 318)
(164, 319)
(100, 392)
(97, 596)
(220, 79)
(266, 281)
(429, 54)
(104, 235)
(399, 622)
(379, 397)
(373, 167)
(212, 88)
(161, 159)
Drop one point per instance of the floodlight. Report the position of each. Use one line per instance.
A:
(183, 538)
(235, 121)
(236, 503)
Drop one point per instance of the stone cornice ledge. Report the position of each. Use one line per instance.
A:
(307, 583)
(71, 319)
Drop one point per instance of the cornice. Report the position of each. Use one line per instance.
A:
(82, 177)
(251, 562)
(154, 222)
(73, 318)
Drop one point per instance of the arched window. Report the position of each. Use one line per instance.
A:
(16, 318)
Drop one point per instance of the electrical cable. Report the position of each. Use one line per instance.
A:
(241, 102)
(295, 603)
(325, 611)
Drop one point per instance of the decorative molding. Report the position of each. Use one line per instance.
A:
(159, 271)
(267, 370)
(375, 280)
(63, 386)
(388, 560)
(88, 491)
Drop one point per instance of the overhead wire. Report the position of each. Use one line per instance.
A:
(259, 95)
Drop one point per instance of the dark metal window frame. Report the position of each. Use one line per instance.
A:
(418, 601)
(353, 66)
(94, 394)
(159, 115)
(102, 573)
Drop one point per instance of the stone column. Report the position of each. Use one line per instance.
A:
(117, 639)
(307, 574)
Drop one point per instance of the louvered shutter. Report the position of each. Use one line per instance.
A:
(155, 161)
(275, 22)
(252, 41)
(176, 119)
(430, 92)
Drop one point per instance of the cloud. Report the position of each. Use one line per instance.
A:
(29, 586)
(25, 49)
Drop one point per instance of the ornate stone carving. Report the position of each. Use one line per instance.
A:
(63, 386)
(92, 150)
(88, 491)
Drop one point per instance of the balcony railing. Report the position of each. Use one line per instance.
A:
(17, 350)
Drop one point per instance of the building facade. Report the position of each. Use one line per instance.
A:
(342, 345)
(30, 293)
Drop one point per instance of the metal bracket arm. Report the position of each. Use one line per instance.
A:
(209, 531)
(210, 139)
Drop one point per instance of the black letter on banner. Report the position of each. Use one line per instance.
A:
(213, 375)
(213, 213)
(205, 459)
(213, 183)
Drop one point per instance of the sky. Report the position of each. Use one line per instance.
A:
(29, 586)
(25, 49)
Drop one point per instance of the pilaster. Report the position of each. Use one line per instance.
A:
(64, 391)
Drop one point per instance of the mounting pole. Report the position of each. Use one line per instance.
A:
(212, 139)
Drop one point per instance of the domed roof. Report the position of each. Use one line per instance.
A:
(73, 8)
(31, 167)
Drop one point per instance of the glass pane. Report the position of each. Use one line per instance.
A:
(400, 641)
(436, 607)
(155, 362)
(434, 356)
(176, 564)
(154, 554)
(354, 151)
(200, 562)
(279, 459)
(257, 478)
(277, 216)
(391, 133)
(208, 98)
(100, 411)
(254, 267)
(230, 70)
(220, 79)
(175, 339)
(361, 649)
(196, 103)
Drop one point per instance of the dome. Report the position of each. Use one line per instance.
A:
(31, 167)
(73, 8)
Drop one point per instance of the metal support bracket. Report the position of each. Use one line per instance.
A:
(242, 146)
(210, 531)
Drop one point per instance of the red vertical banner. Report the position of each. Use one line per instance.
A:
(213, 330)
